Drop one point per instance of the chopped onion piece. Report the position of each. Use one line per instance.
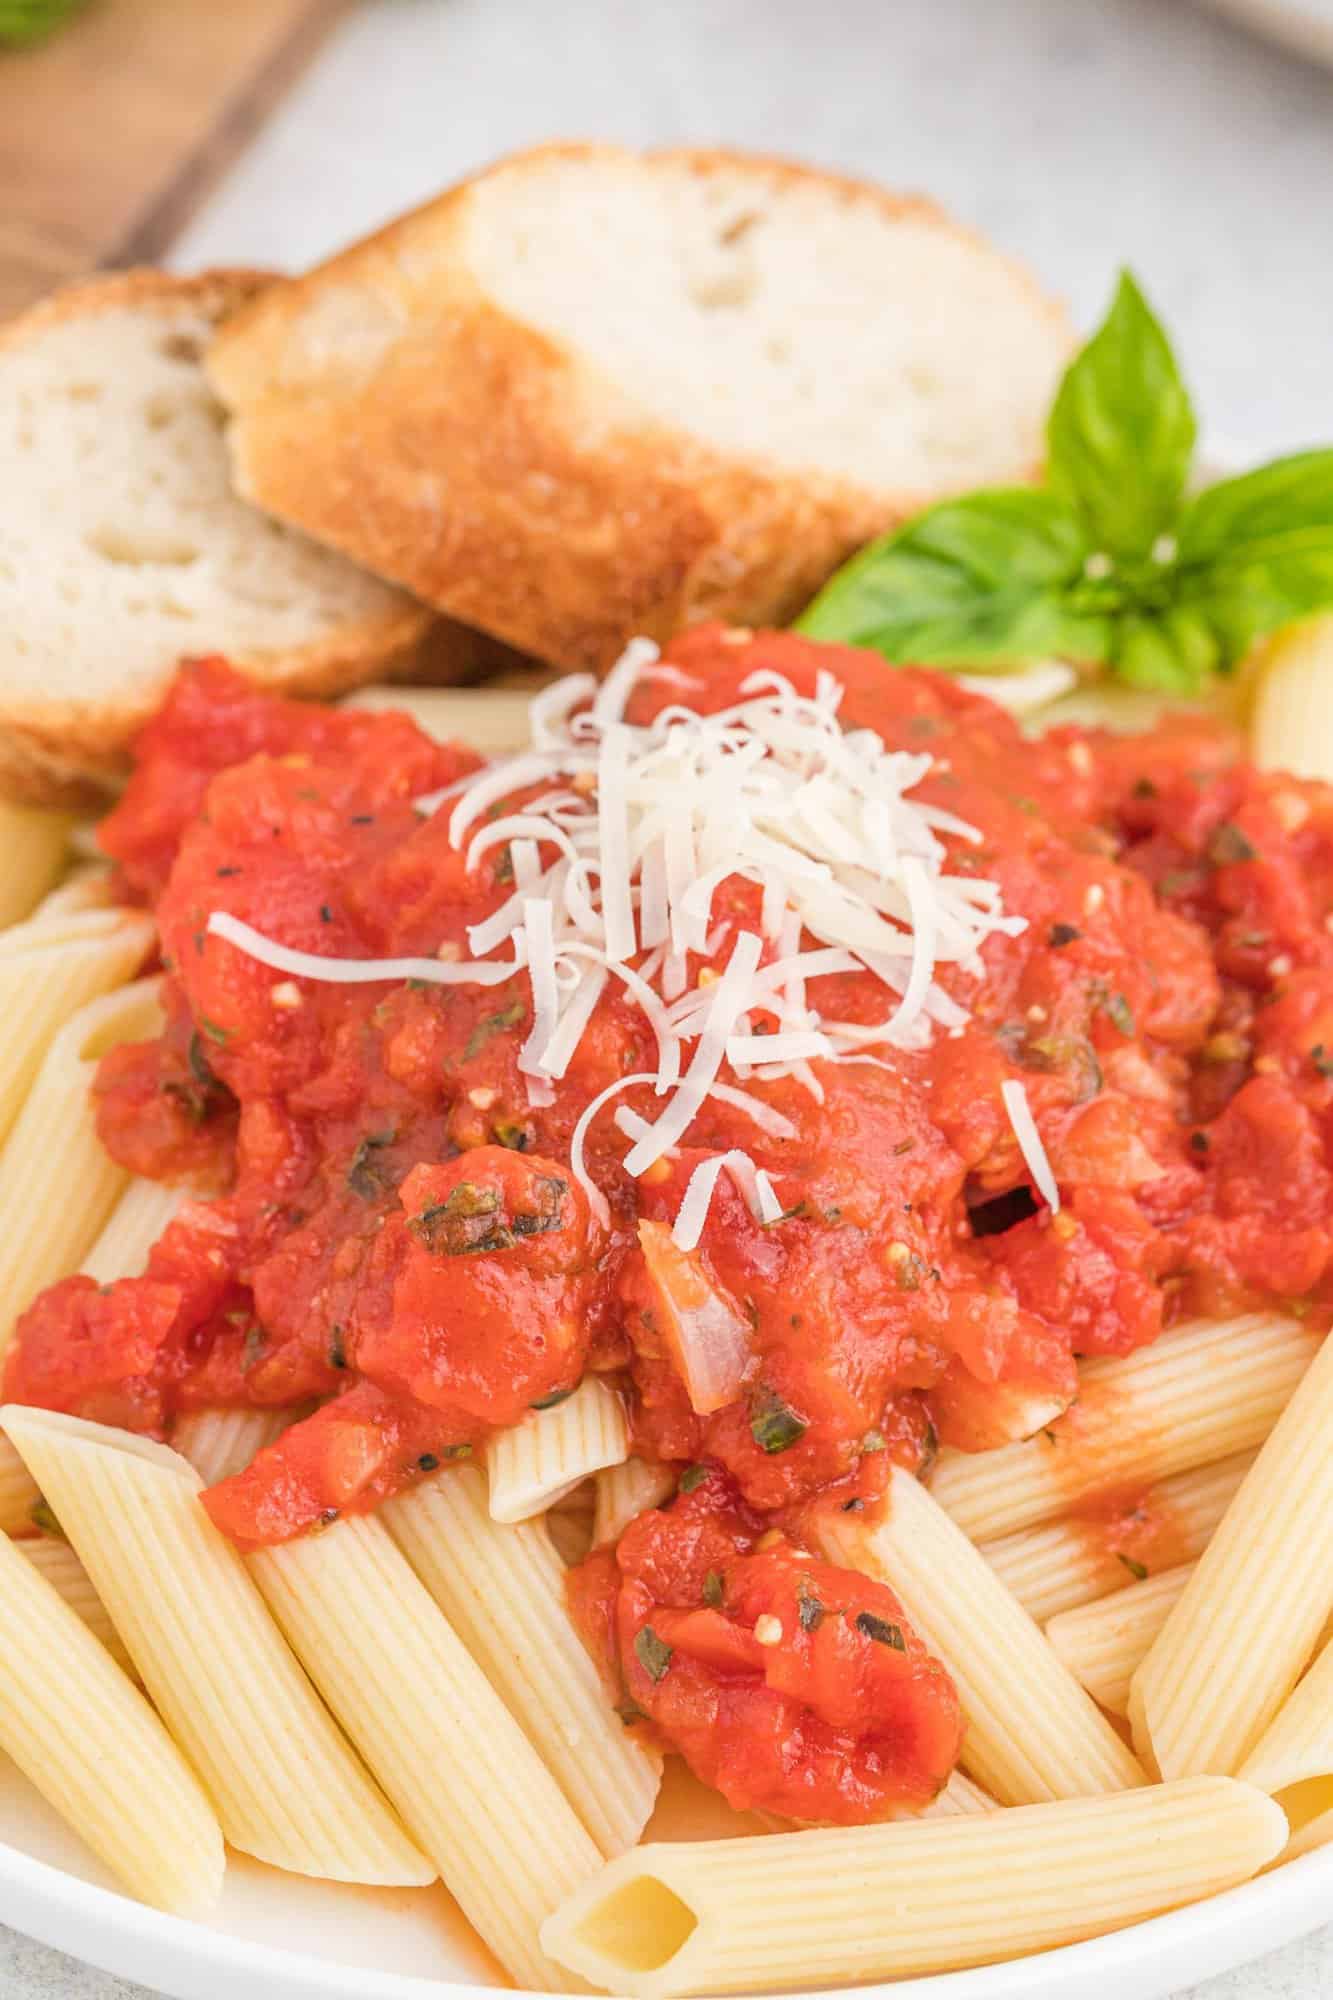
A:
(707, 1333)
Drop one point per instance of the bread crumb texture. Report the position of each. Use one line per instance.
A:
(122, 544)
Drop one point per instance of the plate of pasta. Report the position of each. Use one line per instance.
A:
(665, 1331)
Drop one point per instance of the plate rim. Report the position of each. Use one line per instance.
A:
(105, 1929)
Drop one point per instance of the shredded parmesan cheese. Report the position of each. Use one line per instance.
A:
(620, 835)
(1029, 1142)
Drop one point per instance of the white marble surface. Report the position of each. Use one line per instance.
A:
(1080, 133)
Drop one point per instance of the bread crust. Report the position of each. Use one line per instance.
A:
(73, 753)
(498, 476)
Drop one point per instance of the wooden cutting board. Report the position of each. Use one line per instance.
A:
(112, 132)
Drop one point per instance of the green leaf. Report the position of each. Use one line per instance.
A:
(26, 21)
(1120, 436)
(1173, 650)
(493, 1024)
(774, 1426)
(881, 1631)
(654, 1655)
(989, 580)
(1256, 552)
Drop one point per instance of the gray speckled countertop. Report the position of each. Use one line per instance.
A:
(1079, 133)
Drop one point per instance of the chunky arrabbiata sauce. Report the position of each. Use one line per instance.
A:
(394, 1234)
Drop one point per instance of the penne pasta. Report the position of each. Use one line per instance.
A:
(19, 1492)
(1032, 1732)
(34, 845)
(1201, 1393)
(533, 1464)
(1060, 1564)
(131, 1230)
(1293, 1759)
(86, 887)
(1245, 1625)
(221, 1442)
(489, 719)
(93, 1747)
(1102, 1643)
(469, 1785)
(1290, 727)
(626, 1491)
(569, 1522)
(285, 1786)
(502, 1589)
(54, 1147)
(57, 1562)
(1310, 1812)
(50, 967)
(884, 1902)
(960, 1795)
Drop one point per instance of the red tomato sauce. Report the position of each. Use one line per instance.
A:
(787, 1684)
(393, 1233)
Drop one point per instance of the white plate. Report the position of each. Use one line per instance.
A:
(280, 1937)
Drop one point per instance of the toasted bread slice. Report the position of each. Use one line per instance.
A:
(593, 392)
(123, 548)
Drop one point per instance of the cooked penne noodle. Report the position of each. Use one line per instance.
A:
(1290, 726)
(285, 1786)
(1310, 1808)
(469, 1785)
(535, 1463)
(1245, 1625)
(488, 719)
(86, 887)
(49, 969)
(19, 1492)
(1061, 1564)
(1296, 1750)
(93, 1747)
(1032, 1732)
(53, 1147)
(1102, 1643)
(34, 845)
(960, 1795)
(57, 1562)
(131, 1230)
(1203, 1392)
(221, 1442)
(883, 1902)
(569, 1522)
(626, 1491)
(502, 1589)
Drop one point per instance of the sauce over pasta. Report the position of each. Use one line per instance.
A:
(406, 1237)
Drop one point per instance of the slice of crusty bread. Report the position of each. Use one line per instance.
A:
(122, 546)
(593, 392)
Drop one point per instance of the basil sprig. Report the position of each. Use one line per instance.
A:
(1113, 561)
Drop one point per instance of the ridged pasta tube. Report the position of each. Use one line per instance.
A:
(465, 1778)
(882, 1902)
(502, 1589)
(93, 1747)
(535, 1463)
(285, 1786)
(1246, 1624)
(1201, 1393)
(1032, 1731)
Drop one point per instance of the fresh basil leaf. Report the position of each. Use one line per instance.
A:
(1171, 651)
(1249, 511)
(1257, 551)
(983, 581)
(1120, 436)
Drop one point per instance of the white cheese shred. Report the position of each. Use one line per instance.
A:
(620, 836)
(1029, 1142)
